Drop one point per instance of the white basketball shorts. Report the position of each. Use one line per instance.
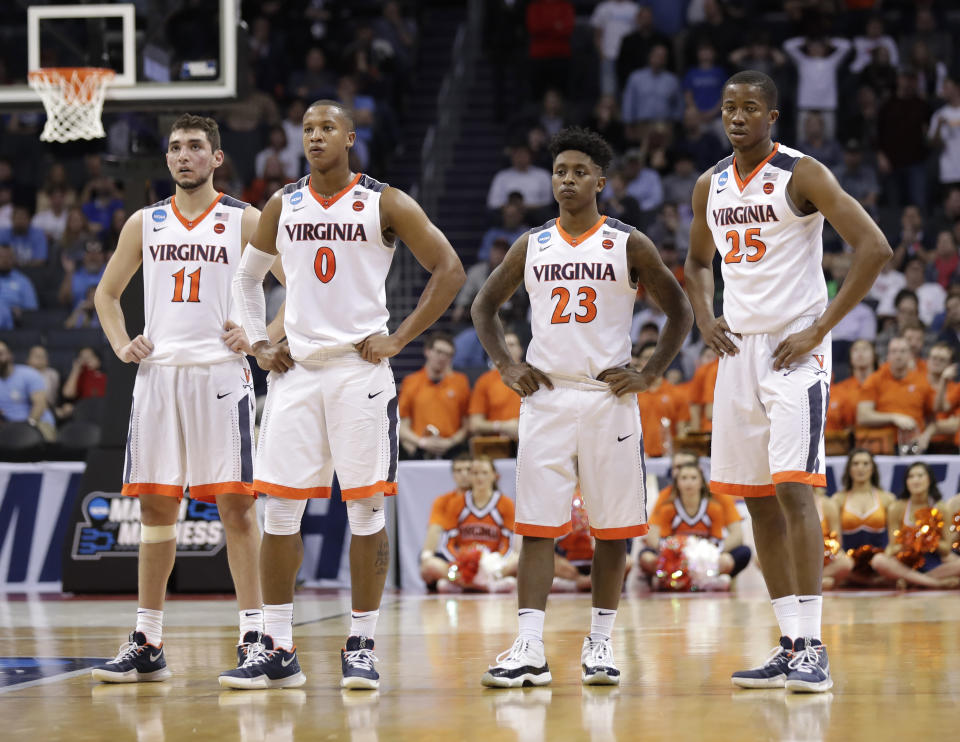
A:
(191, 426)
(580, 430)
(768, 425)
(339, 414)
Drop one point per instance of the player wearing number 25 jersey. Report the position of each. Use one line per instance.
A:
(763, 210)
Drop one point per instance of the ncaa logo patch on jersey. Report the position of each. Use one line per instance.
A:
(543, 238)
(159, 215)
(296, 198)
(724, 177)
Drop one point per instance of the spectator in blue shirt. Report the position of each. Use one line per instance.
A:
(510, 229)
(23, 395)
(100, 196)
(16, 292)
(29, 243)
(703, 84)
(652, 93)
(77, 280)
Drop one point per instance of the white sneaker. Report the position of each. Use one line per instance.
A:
(524, 664)
(596, 661)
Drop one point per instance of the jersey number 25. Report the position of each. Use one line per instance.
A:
(750, 239)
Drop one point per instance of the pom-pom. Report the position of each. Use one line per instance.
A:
(831, 547)
(672, 574)
(862, 557)
(464, 571)
(923, 537)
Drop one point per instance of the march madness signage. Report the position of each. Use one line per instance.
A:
(111, 528)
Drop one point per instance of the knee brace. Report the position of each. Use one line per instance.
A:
(281, 517)
(366, 516)
(157, 534)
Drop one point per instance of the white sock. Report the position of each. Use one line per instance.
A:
(278, 625)
(787, 609)
(364, 623)
(531, 623)
(810, 611)
(601, 623)
(150, 623)
(251, 620)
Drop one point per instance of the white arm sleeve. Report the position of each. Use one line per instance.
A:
(248, 292)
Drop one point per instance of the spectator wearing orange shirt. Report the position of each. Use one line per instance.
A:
(845, 395)
(433, 404)
(480, 515)
(701, 390)
(661, 401)
(495, 407)
(897, 398)
(916, 336)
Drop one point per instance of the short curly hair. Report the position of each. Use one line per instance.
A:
(758, 79)
(583, 140)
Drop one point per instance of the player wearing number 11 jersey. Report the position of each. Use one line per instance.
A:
(763, 209)
(191, 419)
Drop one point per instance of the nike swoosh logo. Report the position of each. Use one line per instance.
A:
(155, 657)
(544, 248)
(371, 396)
(721, 190)
(524, 613)
(375, 510)
(284, 663)
(157, 229)
(297, 208)
(605, 613)
(810, 600)
(221, 396)
(253, 613)
(621, 440)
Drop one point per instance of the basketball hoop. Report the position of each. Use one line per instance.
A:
(73, 99)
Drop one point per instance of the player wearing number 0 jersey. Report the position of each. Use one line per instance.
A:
(762, 209)
(332, 401)
(579, 418)
(192, 415)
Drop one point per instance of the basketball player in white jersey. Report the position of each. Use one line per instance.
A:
(763, 209)
(332, 401)
(579, 418)
(191, 420)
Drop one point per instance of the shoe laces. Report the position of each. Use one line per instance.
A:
(775, 654)
(600, 653)
(362, 658)
(257, 654)
(806, 660)
(516, 653)
(128, 650)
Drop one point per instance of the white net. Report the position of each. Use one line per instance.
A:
(73, 99)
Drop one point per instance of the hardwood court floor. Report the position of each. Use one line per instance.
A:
(896, 661)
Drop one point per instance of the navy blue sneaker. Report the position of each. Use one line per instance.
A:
(772, 673)
(250, 638)
(356, 660)
(809, 668)
(136, 662)
(265, 667)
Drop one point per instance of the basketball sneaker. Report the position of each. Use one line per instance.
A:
(522, 665)
(356, 660)
(136, 662)
(596, 661)
(772, 673)
(265, 667)
(809, 669)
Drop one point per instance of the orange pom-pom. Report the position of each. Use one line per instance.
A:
(831, 547)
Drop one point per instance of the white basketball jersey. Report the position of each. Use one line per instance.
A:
(336, 261)
(771, 252)
(581, 298)
(188, 268)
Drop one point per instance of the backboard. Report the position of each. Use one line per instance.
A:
(162, 51)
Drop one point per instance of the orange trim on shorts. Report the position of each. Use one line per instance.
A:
(742, 490)
(135, 489)
(612, 534)
(290, 493)
(800, 477)
(209, 492)
(358, 493)
(526, 529)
